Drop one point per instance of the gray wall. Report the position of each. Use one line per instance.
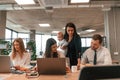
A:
(112, 26)
(2, 24)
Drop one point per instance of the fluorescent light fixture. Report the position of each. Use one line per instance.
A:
(55, 31)
(79, 33)
(44, 25)
(90, 30)
(63, 28)
(24, 2)
(79, 1)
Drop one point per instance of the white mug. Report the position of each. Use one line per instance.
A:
(74, 68)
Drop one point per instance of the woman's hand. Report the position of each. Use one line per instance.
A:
(78, 66)
(17, 67)
(68, 70)
(21, 68)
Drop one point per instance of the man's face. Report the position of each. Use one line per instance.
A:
(95, 44)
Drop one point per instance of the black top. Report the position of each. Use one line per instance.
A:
(74, 50)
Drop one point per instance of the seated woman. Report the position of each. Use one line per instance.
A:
(19, 56)
(51, 51)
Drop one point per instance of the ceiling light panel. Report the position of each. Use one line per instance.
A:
(25, 2)
(44, 25)
(79, 1)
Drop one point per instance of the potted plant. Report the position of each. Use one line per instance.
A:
(5, 47)
(31, 46)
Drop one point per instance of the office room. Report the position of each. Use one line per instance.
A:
(36, 23)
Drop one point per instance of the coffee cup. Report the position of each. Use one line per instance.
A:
(74, 68)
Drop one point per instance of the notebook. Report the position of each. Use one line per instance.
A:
(5, 64)
(51, 66)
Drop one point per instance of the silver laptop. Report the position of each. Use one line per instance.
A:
(5, 64)
(56, 66)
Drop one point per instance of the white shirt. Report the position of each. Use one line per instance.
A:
(61, 55)
(103, 56)
(62, 43)
(23, 62)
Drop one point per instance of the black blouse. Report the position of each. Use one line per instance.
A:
(74, 50)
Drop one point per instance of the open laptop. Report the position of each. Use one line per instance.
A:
(5, 64)
(56, 66)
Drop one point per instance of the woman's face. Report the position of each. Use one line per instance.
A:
(54, 48)
(16, 46)
(70, 31)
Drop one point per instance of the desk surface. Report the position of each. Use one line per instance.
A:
(68, 76)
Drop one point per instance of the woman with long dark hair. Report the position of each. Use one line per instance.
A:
(51, 52)
(74, 44)
(51, 49)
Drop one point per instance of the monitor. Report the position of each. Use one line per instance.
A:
(103, 72)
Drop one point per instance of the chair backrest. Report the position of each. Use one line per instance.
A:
(100, 72)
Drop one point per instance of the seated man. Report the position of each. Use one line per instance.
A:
(96, 54)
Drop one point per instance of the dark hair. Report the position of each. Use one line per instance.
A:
(72, 25)
(97, 37)
(49, 43)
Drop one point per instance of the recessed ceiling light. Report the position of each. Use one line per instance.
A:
(90, 30)
(63, 28)
(55, 31)
(44, 25)
(79, 33)
(79, 1)
(24, 2)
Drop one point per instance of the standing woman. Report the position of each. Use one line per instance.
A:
(19, 56)
(74, 44)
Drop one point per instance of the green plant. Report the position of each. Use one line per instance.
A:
(6, 47)
(31, 45)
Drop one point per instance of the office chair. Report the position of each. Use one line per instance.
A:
(100, 72)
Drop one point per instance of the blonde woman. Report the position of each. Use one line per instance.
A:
(19, 56)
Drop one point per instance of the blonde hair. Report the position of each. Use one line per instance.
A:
(22, 48)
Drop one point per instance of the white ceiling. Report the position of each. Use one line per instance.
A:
(57, 13)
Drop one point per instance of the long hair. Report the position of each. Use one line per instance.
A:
(72, 25)
(22, 48)
(48, 52)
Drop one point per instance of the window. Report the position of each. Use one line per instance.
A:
(8, 34)
(14, 34)
(25, 38)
